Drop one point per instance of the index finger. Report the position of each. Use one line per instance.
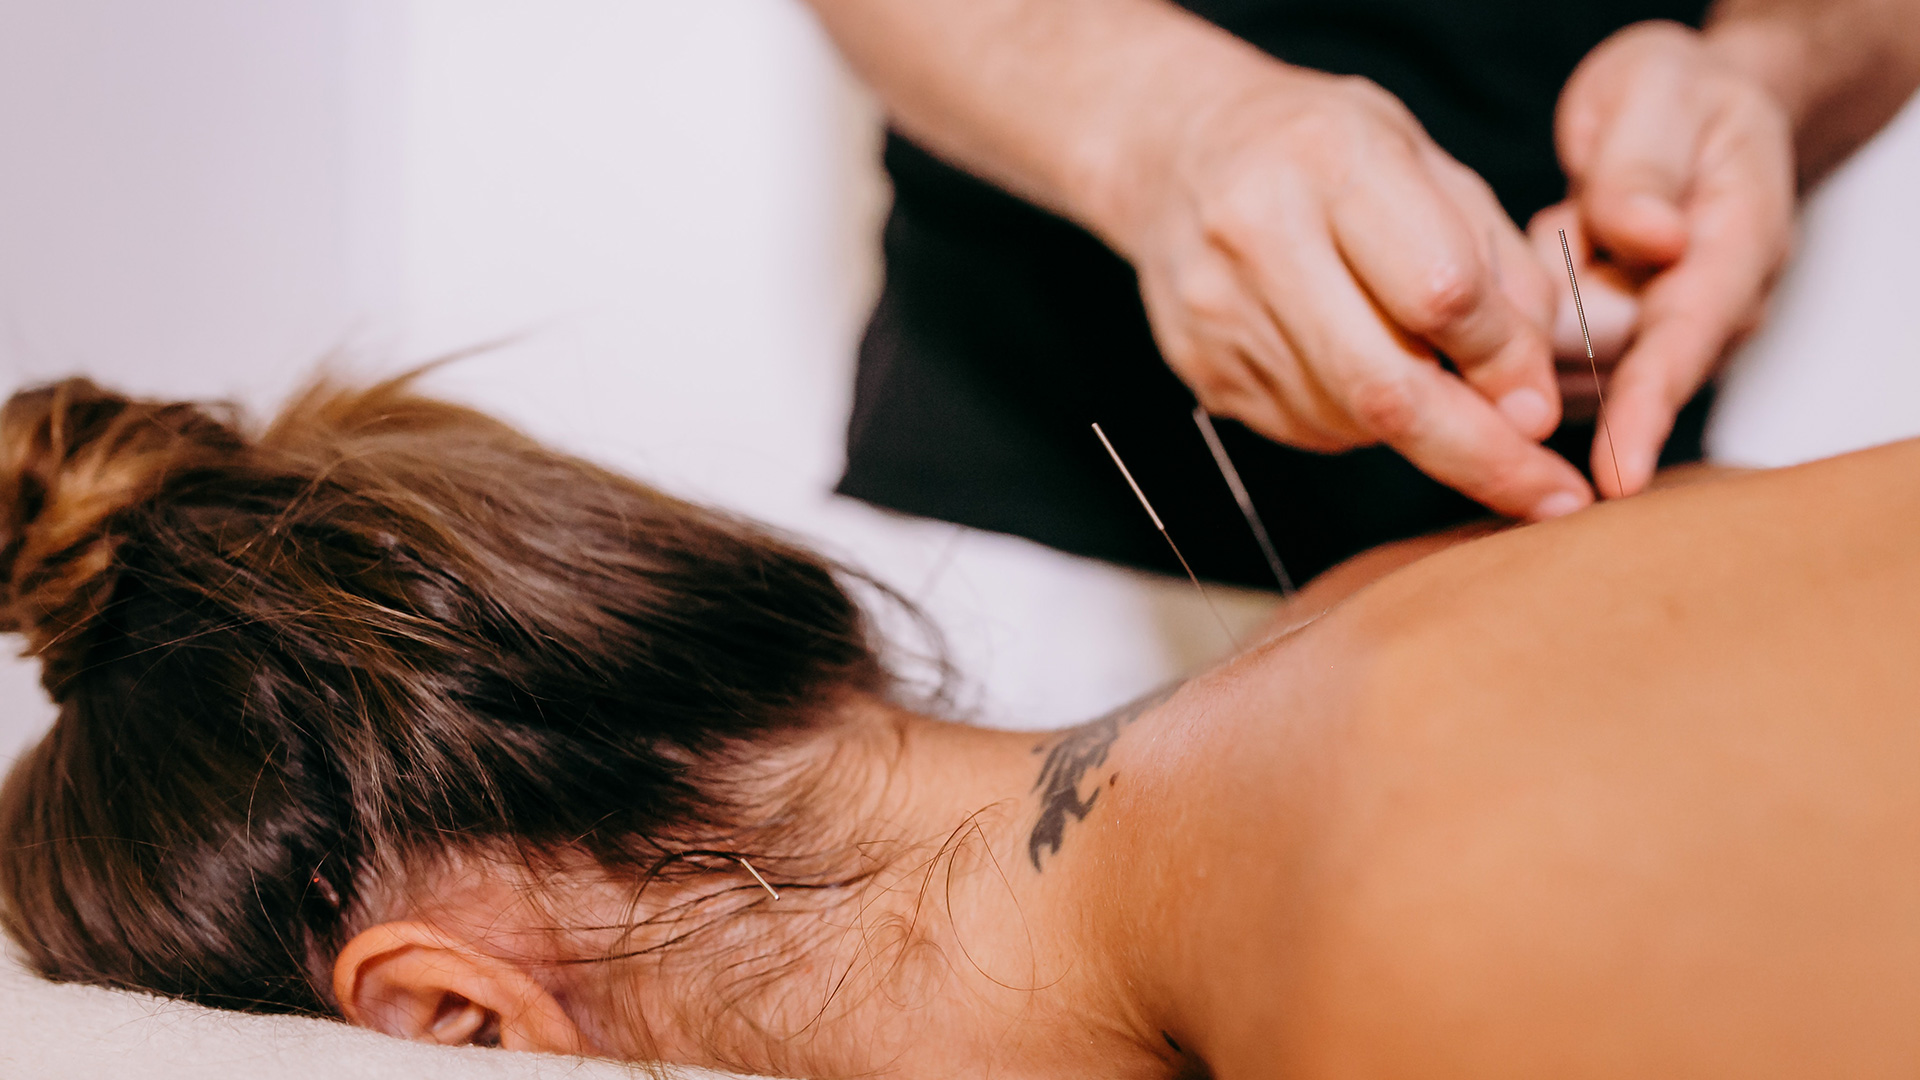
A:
(1405, 399)
(1434, 266)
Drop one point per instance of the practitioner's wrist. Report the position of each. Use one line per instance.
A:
(1839, 69)
(1119, 172)
(1775, 53)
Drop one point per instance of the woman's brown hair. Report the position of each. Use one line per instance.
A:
(384, 628)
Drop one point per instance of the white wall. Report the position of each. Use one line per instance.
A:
(1838, 366)
(173, 214)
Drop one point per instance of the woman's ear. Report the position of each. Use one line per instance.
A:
(415, 981)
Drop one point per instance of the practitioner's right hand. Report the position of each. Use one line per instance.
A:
(1306, 253)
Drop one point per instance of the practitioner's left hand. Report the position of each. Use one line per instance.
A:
(1681, 171)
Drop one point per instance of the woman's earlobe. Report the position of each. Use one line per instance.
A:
(414, 981)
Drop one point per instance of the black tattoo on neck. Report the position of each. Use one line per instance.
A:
(1068, 760)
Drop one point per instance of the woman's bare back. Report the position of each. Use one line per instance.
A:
(1633, 794)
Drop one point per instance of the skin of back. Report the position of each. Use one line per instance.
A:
(1634, 794)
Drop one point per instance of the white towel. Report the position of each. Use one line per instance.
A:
(57, 1032)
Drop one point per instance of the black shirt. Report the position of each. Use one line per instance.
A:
(1003, 331)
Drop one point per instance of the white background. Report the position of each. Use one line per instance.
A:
(669, 208)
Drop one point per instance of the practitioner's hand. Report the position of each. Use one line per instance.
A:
(1682, 173)
(1305, 250)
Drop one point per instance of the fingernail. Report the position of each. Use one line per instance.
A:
(1527, 409)
(1558, 504)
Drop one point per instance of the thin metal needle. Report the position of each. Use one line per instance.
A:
(1220, 458)
(757, 877)
(1598, 390)
(1142, 496)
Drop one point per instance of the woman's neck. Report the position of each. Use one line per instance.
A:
(976, 948)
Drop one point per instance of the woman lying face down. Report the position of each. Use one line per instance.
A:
(391, 714)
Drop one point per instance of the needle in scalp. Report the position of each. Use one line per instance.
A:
(1232, 475)
(1593, 365)
(1142, 496)
(757, 877)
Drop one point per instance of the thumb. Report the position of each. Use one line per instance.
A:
(1630, 198)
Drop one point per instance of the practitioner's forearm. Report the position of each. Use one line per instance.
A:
(1049, 98)
(1841, 68)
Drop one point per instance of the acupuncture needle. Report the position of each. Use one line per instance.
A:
(1598, 390)
(757, 877)
(1155, 518)
(1232, 475)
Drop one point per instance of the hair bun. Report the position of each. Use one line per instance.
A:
(74, 459)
